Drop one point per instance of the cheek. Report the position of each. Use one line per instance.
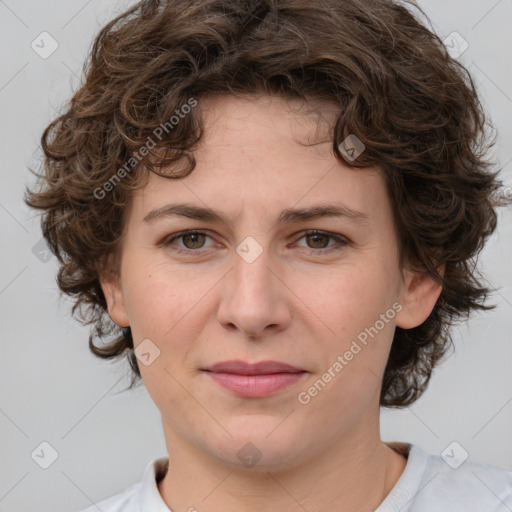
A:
(158, 297)
(352, 308)
(170, 308)
(164, 308)
(356, 295)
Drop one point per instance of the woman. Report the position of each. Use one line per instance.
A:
(271, 208)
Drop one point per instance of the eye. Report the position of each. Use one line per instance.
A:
(319, 239)
(193, 240)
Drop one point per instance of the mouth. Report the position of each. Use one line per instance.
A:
(256, 380)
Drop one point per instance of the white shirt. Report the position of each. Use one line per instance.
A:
(427, 484)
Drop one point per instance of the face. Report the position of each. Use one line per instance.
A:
(322, 293)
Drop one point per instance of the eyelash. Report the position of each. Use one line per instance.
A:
(341, 240)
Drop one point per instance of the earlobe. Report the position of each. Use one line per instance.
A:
(418, 298)
(115, 303)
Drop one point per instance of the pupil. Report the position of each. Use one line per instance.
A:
(316, 236)
(194, 237)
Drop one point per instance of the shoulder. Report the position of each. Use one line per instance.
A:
(125, 501)
(143, 495)
(449, 482)
(456, 483)
(472, 481)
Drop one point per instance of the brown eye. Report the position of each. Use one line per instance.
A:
(191, 241)
(319, 240)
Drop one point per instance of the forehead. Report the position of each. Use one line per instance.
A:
(255, 122)
(277, 108)
(262, 155)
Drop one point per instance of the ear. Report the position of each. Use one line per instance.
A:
(418, 298)
(115, 302)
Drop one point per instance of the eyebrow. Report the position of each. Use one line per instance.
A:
(288, 215)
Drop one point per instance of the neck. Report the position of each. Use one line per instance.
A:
(355, 474)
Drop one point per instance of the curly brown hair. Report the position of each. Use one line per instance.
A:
(415, 108)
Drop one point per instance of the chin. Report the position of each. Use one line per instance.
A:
(260, 446)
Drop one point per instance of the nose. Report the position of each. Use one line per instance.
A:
(255, 298)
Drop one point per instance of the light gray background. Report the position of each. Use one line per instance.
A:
(52, 389)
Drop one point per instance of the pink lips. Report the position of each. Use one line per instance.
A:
(255, 380)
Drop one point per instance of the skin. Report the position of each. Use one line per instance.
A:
(295, 303)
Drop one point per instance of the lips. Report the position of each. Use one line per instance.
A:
(261, 368)
(256, 380)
